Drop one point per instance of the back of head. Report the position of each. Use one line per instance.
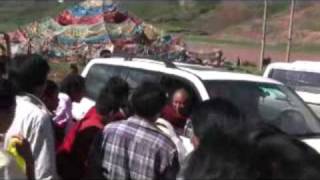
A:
(148, 100)
(28, 72)
(7, 94)
(7, 104)
(50, 96)
(217, 115)
(105, 53)
(113, 96)
(118, 86)
(51, 88)
(72, 83)
(280, 156)
(220, 156)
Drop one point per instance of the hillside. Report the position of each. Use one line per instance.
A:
(218, 23)
(219, 19)
(306, 27)
(232, 22)
(16, 13)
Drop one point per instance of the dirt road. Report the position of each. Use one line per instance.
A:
(252, 54)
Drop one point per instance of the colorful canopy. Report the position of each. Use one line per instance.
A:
(89, 27)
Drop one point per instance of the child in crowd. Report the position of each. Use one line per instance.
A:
(72, 89)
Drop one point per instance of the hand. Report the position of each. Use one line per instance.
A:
(23, 148)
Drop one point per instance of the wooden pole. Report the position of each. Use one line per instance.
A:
(263, 40)
(290, 31)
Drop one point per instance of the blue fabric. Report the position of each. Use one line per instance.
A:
(81, 11)
(97, 39)
(109, 7)
(64, 40)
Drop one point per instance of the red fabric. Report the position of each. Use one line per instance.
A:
(168, 113)
(115, 17)
(66, 18)
(91, 119)
(73, 153)
(59, 134)
(18, 37)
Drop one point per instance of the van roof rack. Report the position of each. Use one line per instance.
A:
(166, 61)
(169, 64)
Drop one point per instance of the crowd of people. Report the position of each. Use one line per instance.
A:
(136, 133)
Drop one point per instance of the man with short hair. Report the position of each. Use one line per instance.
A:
(135, 148)
(177, 111)
(9, 168)
(32, 119)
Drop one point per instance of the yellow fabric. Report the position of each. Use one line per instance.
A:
(12, 150)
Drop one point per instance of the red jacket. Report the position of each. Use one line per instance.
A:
(178, 121)
(72, 155)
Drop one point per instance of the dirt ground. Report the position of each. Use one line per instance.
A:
(252, 54)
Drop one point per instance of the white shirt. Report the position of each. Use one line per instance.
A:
(64, 112)
(32, 121)
(181, 144)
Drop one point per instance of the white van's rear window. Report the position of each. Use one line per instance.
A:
(298, 80)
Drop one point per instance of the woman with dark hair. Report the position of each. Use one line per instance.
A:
(228, 147)
(216, 115)
(279, 156)
(218, 137)
(220, 156)
(73, 153)
(72, 89)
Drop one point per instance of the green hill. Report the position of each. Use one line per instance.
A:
(230, 22)
(14, 14)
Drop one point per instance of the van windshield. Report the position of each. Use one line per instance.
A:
(272, 103)
(298, 80)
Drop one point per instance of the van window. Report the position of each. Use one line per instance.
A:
(135, 77)
(274, 104)
(98, 75)
(298, 80)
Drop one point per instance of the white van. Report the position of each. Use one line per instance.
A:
(302, 76)
(269, 99)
